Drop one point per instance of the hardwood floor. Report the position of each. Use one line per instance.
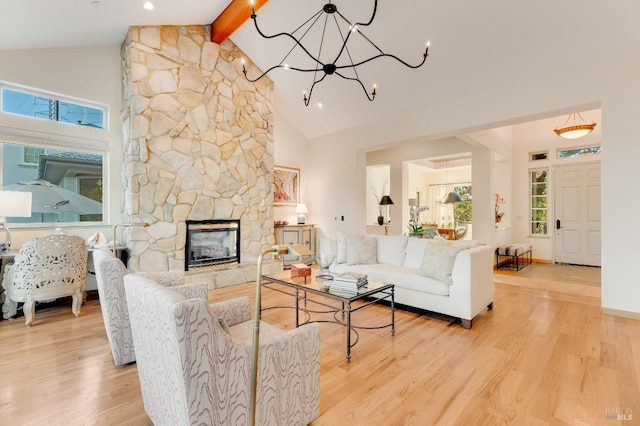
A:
(544, 355)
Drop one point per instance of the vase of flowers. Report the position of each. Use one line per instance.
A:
(498, 203)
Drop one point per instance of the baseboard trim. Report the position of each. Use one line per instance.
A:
(621, 313)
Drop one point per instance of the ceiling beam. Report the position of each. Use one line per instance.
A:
(232, 18)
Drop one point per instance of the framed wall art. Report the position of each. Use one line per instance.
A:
(286, 186)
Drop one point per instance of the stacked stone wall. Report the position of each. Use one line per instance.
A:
(198, 141)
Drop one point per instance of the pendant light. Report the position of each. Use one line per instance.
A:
(452, 197)
(574, 130)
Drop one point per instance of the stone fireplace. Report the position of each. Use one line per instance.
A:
(198, 146)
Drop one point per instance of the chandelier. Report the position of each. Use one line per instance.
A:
(342, 62)
(575, 130)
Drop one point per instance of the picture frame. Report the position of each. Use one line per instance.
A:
(286, 186)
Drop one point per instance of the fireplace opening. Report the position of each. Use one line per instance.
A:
(212, 243)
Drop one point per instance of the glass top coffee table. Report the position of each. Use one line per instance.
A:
(339, 304)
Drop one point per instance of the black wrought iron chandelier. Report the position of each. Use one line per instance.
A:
(339, 64)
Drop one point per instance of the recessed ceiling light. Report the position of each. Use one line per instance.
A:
(95, 3)
(320, 105)
(148, 5)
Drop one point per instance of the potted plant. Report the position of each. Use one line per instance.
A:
(415, 229)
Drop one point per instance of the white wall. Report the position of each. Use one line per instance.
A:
(291, 150)
(611, 82)
(91, 73)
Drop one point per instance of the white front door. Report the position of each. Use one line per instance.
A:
(577, 214)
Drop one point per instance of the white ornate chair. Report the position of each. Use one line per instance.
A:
(46, 268)
(192, 371)
(110, 272)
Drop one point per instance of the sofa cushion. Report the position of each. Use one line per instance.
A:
(400, 276)
(361, 250)
(341, 247)
(439, 256)
(391, 249)
(415, 252)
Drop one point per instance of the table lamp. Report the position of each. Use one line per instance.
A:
(255, 343)
(301, 210)
(13, 204)
(386, 201)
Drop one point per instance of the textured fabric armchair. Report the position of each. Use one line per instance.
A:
(46, 268)
(110, 272)
(192, 371)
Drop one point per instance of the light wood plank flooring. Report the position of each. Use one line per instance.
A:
(544, 355)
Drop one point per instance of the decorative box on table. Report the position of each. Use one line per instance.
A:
(300, 270)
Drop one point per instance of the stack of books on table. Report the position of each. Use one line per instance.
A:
(348, 282)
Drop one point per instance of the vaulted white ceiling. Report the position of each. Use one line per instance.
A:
(475, 44)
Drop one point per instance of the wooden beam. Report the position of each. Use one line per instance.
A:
(232, 18)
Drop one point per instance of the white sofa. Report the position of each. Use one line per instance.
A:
(454, 278)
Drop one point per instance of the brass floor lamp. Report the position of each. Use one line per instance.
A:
(278, 250)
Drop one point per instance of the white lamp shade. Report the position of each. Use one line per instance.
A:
(15, 204)
(302, 209)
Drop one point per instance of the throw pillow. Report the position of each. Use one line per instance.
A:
(391, 249)
(361, 250)
(439, 257)
(341, 249)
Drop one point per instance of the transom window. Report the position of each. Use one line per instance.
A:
(46, 106)
(579, 152)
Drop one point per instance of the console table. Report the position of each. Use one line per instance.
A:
(297, 234)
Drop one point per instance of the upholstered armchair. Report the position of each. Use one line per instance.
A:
(46, 268)
(110, 272)
(192, 371)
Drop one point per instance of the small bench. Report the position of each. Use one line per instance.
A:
(513, 256)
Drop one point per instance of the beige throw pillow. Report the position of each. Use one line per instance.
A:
(341, 248)
(439, 257)
(361, 250)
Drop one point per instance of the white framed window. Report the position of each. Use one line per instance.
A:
(539, 201)
(75, 167)
(48, 106)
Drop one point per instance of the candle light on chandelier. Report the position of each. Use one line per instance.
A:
(322, 69)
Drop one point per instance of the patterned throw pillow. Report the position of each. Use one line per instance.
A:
(439, 257)
(361, 250)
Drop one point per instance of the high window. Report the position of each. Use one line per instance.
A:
(579, 152)
(45, 106)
